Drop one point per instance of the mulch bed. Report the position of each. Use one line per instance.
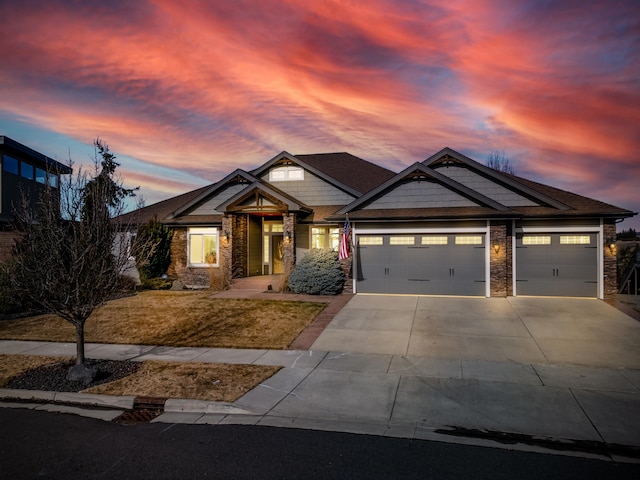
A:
(54, 377)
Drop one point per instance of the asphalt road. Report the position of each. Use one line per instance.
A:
(36, 444)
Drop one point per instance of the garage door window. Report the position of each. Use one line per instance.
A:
(398, 240)
(536, 240)
(469, 240)
(575, 239)
(435, 240)
(370, 241)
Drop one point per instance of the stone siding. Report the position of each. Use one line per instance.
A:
(610, 261)
(499, 261)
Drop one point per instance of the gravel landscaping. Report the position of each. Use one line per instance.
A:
(54, 377)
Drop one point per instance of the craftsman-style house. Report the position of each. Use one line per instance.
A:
(445, 226)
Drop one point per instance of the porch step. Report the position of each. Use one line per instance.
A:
(259, 282)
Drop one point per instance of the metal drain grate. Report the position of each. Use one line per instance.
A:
(144, 410)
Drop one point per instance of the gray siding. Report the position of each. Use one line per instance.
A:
(312, 190)
(485, 186)
(209, 207)
(420, 194)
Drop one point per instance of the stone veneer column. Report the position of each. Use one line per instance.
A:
(610, 261)
(289, 256)
(498, 260)
(226, 247)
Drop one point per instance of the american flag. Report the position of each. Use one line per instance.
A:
(344, 240)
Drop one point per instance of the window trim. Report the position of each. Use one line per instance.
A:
(330, 232)
(203, 232)
(290, 173)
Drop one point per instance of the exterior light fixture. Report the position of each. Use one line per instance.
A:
(226, 235)
(287, 235)
(612, 244)
(496, 248)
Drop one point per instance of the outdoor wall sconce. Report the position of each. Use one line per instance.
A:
(287, 235)
(612, 244)
(226, 235)
(496, 248)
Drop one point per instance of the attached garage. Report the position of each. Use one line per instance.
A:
(426, 264)
(557, 264)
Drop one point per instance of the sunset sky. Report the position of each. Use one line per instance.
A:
(185, 91)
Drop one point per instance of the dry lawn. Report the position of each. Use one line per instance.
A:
(181, 319)
(15, 365)
(198, 381)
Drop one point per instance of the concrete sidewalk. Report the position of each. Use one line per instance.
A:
(396, 395)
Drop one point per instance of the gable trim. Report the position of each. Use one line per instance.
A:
(421, 170)
(211, 190)
(292, 158)
(286, 201)
(495, 175)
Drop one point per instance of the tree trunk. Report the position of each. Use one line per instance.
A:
(80, 343)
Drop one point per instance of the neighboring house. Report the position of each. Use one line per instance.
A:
(446, 226)
(24, 174)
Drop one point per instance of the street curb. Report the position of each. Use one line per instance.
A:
(83, 399)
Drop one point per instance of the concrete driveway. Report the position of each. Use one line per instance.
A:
(523, 330)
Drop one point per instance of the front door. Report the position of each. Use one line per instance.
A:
(277, 254)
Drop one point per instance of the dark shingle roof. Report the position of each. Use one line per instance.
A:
(160, 209)
(348, 169)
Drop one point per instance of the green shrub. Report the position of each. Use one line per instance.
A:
(156, 283)
(153, 250)
(317, 273)
(10, 303)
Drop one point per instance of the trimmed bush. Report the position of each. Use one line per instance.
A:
(317, 273)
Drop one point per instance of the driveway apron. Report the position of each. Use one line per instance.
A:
(523, 330)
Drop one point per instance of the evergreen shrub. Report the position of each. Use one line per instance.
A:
(317, 273)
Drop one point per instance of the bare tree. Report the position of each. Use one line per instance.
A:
(499, 161)
(66, 262)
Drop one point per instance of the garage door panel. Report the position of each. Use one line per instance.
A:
(418, 268)
(556, 268)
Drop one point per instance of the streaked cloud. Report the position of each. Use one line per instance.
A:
(185, 91)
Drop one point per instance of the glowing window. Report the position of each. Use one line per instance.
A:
(288, 173)
(575, 239)
(325, 238)
(370, 240)
(435, 240)
(400, 240)
(536, 240)
(469, 240)
(203, 246)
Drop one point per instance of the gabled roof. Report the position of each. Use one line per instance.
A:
(235, 176)
(259, 188)
(160, 209)
(342, 170)
(450, 156)
(348, 169)
(418, 171)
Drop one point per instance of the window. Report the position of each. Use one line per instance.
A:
(469, 240)
(52, 179)
(325, 238)
(41, 176)
(26, 170)
(536, 240)
(10, 165)
(203, 247)
(575, 239)
(435, 240)
(370, 240)
(398, 240)
(288, 173)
